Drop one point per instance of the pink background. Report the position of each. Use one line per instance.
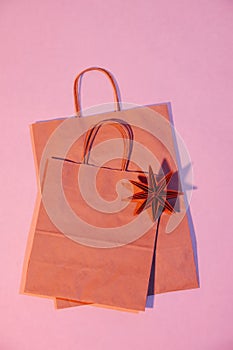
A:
(159, 50)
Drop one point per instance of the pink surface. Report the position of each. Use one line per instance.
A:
(178, 51)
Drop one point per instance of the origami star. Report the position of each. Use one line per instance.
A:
(155, 194)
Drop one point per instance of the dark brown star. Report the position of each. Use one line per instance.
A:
(155, 194)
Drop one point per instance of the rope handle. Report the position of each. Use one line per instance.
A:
(127, 135)
(77, 88)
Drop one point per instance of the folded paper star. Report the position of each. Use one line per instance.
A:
(155, 194)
